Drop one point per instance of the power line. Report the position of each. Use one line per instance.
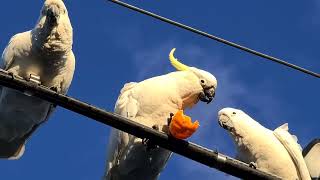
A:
(189, 150)
(202, 33)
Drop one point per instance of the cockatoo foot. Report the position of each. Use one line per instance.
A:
(34, 78)
(3, 71)
(55, 89)
(13, 75)
(165, 128)
(148, 143)
(253, 165)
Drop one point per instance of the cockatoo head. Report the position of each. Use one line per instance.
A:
(238, 123)
(205, 79)
(53, 10)
(53, 31)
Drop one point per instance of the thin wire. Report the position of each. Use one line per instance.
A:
(265, 56)
(189, 150)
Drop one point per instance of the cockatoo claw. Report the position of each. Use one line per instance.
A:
(55, 89)
(149, 144)
(170, 119)
(253, 165)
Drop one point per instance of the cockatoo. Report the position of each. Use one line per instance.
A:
(276, 152)
(311, 155)
(150, 102)
(44, 56)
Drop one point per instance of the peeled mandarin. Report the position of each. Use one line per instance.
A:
(181, 126)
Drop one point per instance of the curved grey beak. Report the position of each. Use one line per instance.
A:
(225, 122)
(207, 95)
(53, 15)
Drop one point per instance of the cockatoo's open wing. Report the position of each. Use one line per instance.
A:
(311, 154)
(294, 150)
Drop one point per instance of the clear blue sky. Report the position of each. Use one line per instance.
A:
(114, 46)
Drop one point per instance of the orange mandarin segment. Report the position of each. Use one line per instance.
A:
(181, 126)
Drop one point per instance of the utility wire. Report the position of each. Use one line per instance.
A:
(189, 150)
(202, 33)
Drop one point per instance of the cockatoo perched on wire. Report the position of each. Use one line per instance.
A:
(311, 155)
(44, 56)
(276, 152)
(150, 102)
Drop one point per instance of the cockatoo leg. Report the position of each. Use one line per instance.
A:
(149, 144)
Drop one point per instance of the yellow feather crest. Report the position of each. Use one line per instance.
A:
(175, 62)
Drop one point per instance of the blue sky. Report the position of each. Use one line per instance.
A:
(114, 46)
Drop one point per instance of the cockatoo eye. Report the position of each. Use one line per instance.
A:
(234, 113)
(43, 12)
(203, 82)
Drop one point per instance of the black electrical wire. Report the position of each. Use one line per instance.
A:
(202, 33)
(192, 151)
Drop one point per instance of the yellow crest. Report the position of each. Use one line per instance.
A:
(175, 62)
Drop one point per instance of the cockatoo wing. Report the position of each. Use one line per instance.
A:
(294, 150)
(14, 47)
(19, 45)
(311, 154)
(128, 154)
(8, 53)
(126, 106)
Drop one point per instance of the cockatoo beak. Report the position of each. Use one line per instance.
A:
(225, 122)
(53, 15)
(207, 95)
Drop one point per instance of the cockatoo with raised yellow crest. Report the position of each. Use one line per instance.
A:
(276, 152)
(150, 102)
(44, 56)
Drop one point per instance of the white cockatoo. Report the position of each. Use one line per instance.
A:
(150, 103)
(276, 152)
(311, 154)
(42, 55)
